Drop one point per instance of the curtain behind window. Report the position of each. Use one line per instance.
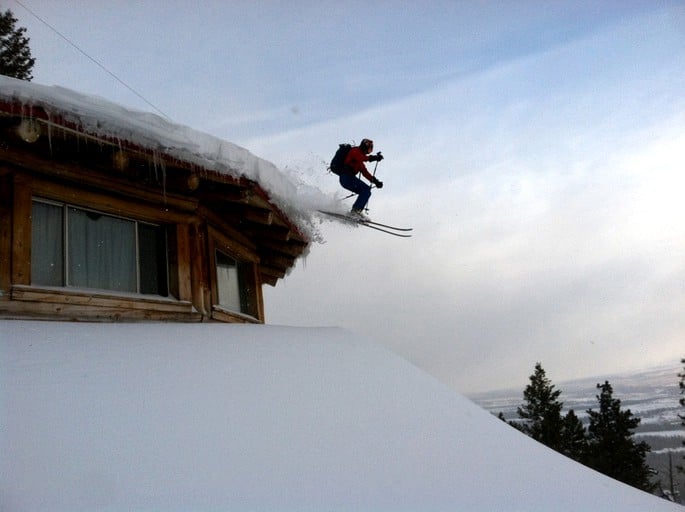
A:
(228, 284)
(102, 251)
(47, 245)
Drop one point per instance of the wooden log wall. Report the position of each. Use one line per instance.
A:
(189, 277)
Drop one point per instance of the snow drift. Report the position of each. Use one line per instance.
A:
(250, 417)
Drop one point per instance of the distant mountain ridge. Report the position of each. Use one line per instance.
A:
(652, 394)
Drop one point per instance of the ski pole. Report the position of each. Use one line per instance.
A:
(371, 187)
(375, 167)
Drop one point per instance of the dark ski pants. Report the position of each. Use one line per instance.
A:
(354, 184)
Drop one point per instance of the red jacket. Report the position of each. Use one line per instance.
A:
(355, 161)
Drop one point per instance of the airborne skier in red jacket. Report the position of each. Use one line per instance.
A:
(353, 165)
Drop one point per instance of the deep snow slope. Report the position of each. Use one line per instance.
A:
(191, 417)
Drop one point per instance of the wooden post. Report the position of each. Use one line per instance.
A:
(5, 233)
(21, 233)
(201, 291)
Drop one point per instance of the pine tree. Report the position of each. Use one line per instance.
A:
(15, 54)
(611, 448)
(574, 437)
(541, 411)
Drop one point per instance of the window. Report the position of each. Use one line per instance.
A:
(234, 286)
(84, 248)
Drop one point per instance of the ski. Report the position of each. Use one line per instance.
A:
(401, 234)
(385, 228)
(394, 228)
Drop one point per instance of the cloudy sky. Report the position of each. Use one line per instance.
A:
(536, 147)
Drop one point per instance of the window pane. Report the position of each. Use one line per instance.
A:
(228, 282)
(47, 245)
(102, 251)
(152, 259)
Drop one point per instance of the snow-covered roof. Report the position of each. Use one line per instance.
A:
(235, 417)
(101, 118)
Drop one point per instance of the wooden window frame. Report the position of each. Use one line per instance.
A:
(136, 225)
(248, 262)
(98, 303)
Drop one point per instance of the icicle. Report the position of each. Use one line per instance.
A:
(164, 181)
(156, 161)
(50, 135)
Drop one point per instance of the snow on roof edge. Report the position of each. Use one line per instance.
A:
(101, 117)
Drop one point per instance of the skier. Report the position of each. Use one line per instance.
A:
(353, 165)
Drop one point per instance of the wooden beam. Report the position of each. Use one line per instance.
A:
(113, 204)
(182, 262)
(270, 280)
(98, 299)
(5, 232)
(22, 309)
(259, 215)
(272, 260)
(258, 293)
(231, 195)
(223, 315)
(272, 232)
(227, 226)
(278, 273)
(292, 248)
(200, 281)
(21, 232)
(80, 175)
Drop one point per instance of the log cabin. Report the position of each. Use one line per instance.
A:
(109, 214)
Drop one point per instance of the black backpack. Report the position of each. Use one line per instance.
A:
(338, 163)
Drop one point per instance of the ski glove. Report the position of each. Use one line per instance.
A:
(375, 158)
(379, 184)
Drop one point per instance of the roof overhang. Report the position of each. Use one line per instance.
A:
(224, 193)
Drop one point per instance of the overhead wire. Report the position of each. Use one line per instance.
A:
(93, 60)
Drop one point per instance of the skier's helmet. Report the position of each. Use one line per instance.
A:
(366, 145)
